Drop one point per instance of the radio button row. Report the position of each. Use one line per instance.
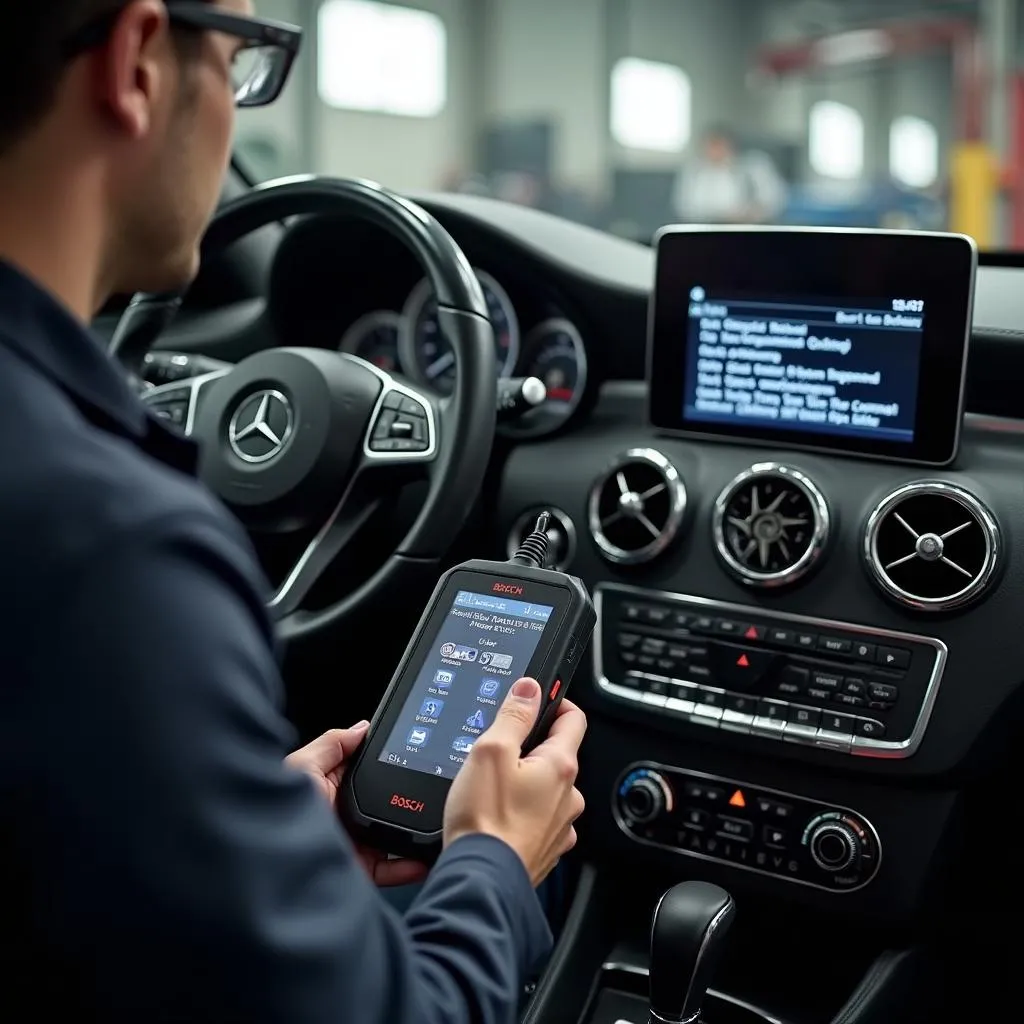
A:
(741, 713)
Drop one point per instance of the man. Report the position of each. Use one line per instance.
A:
(162, 861)
(721, 185)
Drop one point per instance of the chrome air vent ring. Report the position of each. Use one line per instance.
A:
(770, 525)
(636, 507)
(932, 546)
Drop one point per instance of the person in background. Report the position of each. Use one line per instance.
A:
(721, 184)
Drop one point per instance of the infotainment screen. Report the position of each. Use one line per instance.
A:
(848, 341)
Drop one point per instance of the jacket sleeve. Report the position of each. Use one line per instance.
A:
(184, 870)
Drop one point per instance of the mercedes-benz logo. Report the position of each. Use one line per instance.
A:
(261, 426)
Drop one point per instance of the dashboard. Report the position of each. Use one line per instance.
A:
(808, 705)
(392, 322)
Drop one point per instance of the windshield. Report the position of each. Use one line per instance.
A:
(629, 114)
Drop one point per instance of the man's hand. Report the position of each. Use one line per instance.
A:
(530, 802)
(324, 761)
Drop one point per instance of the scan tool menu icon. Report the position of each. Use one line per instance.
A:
(459, 652)
(499, 662)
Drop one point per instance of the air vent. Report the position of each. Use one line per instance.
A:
(932, 546)
(770, 525)
(637, 507)
(561, 536)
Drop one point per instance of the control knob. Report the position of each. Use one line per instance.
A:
(835, 846)
(644, 796)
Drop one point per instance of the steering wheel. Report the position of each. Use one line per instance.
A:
(310, 439)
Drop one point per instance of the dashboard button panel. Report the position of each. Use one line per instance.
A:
(830, 685)
(746, 826)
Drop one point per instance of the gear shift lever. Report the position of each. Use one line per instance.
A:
(687, 940)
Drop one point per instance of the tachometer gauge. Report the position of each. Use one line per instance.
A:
(426, 353)
(375, 338)
(554, 352)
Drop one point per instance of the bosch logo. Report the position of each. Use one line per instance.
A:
(507, 588)
(404, 803)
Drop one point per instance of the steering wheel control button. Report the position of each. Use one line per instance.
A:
(172, 409)
(740, 825)
(758, 679)
(401, 426)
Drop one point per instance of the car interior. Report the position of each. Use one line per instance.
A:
(786, 462)
(847, 799)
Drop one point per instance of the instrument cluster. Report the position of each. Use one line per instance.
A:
(410, 342)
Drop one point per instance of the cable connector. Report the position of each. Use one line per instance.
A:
(534, 549)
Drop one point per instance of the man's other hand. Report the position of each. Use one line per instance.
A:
(324, 761)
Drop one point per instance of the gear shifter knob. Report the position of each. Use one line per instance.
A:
(687, 940)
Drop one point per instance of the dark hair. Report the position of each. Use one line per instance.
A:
(35, 46)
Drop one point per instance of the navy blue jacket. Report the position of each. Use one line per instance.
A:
(159, 861)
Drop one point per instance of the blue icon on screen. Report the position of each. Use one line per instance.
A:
(489, 687)
(462, 745)
(431, 708)
(443, 679)
(476, 720)
(418, 737)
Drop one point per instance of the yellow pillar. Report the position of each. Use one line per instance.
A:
(974, 192)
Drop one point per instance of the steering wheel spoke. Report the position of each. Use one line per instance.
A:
(352, 512)
(179, 402)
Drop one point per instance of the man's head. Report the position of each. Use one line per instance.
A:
(719, 144)
(119, 104)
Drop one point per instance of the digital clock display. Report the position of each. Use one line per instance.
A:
(908, 305)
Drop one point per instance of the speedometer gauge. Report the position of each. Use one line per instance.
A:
(427, 354)
(554, 352)
(374, 337)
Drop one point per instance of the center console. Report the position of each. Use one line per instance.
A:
(801, 653)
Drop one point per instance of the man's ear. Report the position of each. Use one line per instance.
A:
(134, 66)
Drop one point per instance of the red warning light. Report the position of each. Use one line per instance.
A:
(738, 799)
(751, 634)
(743, 661)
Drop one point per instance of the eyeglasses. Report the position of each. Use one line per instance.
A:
(261, 67)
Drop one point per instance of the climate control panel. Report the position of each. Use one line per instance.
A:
(748, 827)
(748, 671)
